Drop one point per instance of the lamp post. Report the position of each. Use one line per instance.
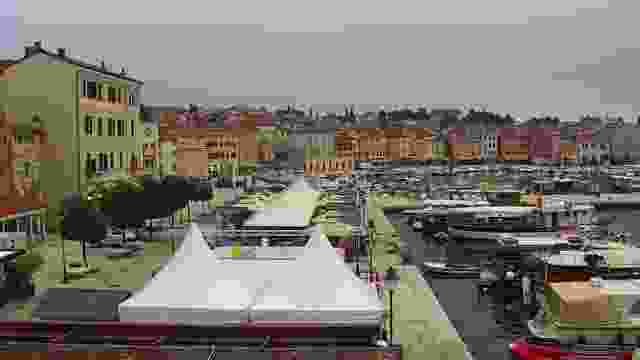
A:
(391, 282)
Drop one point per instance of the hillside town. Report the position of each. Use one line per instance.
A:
(213, 227)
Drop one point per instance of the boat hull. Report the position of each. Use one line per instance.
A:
(442, 269)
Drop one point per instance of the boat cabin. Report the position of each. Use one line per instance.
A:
(495, 197)
(520, 218)
(435, 212)
(558, 185)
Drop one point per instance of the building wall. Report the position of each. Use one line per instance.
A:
(168, 160)
(21, 152)
(191, 157)
(513, 144)
(544, 144)
(151, 147)
(336, 167)
(49, 91)
(568, 152)
(465, 152)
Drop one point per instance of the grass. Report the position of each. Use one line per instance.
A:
(125, 273)
(418, 323)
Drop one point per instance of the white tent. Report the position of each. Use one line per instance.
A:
(327, 291)
(198, 288)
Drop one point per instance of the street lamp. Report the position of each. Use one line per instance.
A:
(391, 282)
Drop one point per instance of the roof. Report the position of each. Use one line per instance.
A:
(236, 291)
(82, 64)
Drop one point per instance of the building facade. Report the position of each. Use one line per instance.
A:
(23, 150)
(544, 145)
(93, 111)
(151, 147)
(513, 145)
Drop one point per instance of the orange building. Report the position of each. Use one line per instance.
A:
(513, 152)
(513, 144)
(22, 148)
(191, 157)
(237, 143)
(330, 167)
(465, 152)
(568, 152)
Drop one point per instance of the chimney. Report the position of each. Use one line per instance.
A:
(29, 50)
(62, 52)
(123, 71)
(103, 65)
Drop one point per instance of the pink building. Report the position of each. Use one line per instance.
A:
(584, 135)
(544, 144)
(233, 119)
(191, 120)
(513, 135)
(456, 135)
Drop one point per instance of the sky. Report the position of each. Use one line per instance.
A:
(561, 58)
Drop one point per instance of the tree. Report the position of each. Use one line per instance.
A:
(84, 224)
(154, 198)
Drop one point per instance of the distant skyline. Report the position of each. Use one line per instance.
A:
(561, 58)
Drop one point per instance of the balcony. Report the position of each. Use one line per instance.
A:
(94, 105)
(26, 151)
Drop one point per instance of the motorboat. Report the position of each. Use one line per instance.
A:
(499, 197)
(494, 222)
(433, 217)
(586, 313)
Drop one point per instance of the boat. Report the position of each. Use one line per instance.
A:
(494, 222)
(515, 229)
(587, 316)
(430, 218)
(559, 185)
(498, 197)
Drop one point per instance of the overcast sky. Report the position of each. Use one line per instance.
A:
(558, 57)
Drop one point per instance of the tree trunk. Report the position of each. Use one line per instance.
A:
(84, 254)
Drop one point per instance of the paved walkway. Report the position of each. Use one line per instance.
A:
(475, 324)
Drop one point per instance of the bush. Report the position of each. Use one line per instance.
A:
(29, 262)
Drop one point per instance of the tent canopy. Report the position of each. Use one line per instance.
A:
(199, 288)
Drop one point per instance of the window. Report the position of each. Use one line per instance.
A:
(92, 89)
(111, 92)
(83, 88)
(88, 125)
(120, 127)
(100, 93)
(111, 160)
(99, 126)
(121, 161)
(131, 100)
(133, 128)
(101, 161)
(111, 127)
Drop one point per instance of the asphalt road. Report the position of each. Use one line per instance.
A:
(476, 324)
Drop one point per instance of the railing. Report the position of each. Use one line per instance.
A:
(252, 233)
(47, 336)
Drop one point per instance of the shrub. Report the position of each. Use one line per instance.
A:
(29, 262)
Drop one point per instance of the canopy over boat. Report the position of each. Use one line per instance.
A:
(612, 307)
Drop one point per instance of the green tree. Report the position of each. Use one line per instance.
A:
(85, 224)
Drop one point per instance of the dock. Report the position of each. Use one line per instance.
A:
(603, 201)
